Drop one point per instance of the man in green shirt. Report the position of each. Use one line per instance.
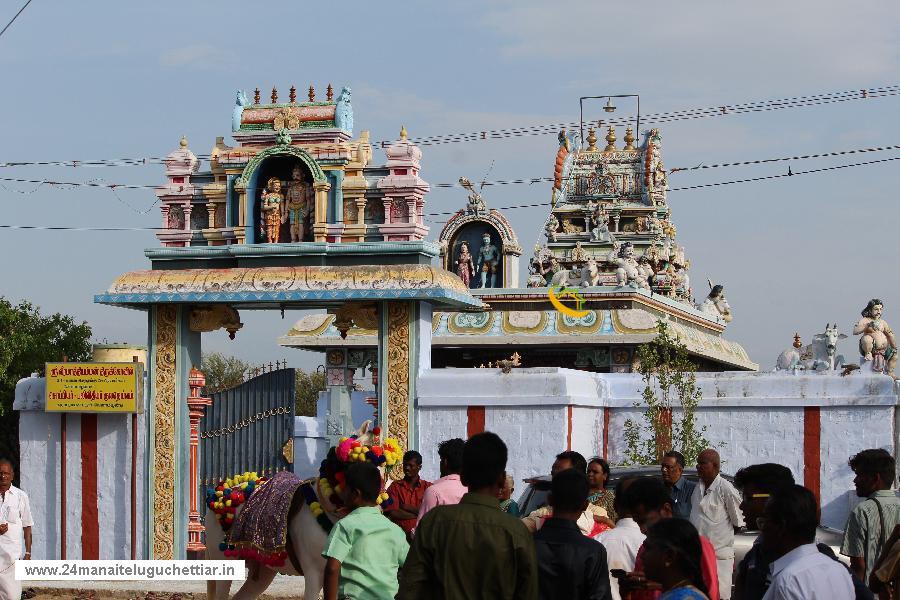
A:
(872, 521)
(472, 549)
(364, 549)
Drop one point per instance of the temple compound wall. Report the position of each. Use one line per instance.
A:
(810, 423)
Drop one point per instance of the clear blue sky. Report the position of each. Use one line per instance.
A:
(103, 79)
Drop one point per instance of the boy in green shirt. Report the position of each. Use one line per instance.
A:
(364, 549)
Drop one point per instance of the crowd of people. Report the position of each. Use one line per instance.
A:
(665, 538)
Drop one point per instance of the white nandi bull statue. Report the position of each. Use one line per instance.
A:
(588, 275)
(820, 355)
(298, 510)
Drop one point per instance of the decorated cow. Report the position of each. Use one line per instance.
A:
(281, 524)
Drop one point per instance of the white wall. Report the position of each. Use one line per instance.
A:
(751, 417)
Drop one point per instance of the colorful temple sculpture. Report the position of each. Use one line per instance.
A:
(295, 215)
(608, 244)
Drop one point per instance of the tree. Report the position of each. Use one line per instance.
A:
(29, 339)
(669, 379)
(307, 395)
(222, 372)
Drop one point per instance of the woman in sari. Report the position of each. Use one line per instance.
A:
(672, 559)
(597, 475)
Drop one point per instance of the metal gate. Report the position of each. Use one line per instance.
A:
(249, 428)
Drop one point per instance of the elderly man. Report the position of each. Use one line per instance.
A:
(716, 513)
(681, 490)
(15, 523)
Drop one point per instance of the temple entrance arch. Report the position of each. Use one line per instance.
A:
(292, 166)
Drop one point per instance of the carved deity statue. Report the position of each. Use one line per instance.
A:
(270, 209)
(600, 231)
(476, 204)
(240, 102)
(628, 272)
(715, 304)
(465, 268)
(488, 261)
(297, 203)
(878, 343)
(551, 227)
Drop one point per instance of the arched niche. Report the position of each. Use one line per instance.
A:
(470, 228)
(282, 162)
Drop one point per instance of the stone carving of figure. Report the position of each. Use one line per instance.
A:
(645, 269)
(878, 343)
(239, 103)
(465, 268)
(627, 271)
(296, 206)
(551, 227)
(579, 254)
(679, 255)
(270, 209)
(716, 304)
(476, 204)
(488, 261)
(343, 112)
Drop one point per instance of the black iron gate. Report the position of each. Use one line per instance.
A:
(249, 428)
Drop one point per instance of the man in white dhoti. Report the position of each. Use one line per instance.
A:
(15, 524)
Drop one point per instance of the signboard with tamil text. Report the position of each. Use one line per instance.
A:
(95, 387)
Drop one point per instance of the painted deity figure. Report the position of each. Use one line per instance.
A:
(716, 304)
(628, 271)
(270, 209)
(296, 206)
(465, 268)
(240, 102)
(488, 261)
(551, 227)
(878, 343)
(600, 231)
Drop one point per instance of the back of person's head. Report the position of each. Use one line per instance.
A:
(365, 478)
(793, 510)
(678, 456)
(451, 452)
(765, 477)
(577, 460)
(569, 491)
(681, 539)
(484, 461)
(620, 503)
(875, 461)
(413, 455)
(649, 492)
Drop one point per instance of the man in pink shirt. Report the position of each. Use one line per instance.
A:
(448, 489)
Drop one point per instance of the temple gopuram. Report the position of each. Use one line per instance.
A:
(608, 250)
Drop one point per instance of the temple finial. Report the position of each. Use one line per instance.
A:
(293, 95)
(256, 96)
(183, 142)
(610, 140)
(629, 139)
(329, 93)
(274, 95)
(312, 94)
(403, 132)
(591, 140)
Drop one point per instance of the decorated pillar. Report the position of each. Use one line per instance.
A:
(404, 351)
(174, 348)
(320, 226)
(196, 408)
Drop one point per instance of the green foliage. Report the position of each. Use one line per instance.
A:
(307, 395)
(29, 339)
(222, 372)
(669, 381)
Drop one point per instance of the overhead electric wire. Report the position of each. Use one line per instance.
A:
(540, 129)
(11, 21)
(790, 173)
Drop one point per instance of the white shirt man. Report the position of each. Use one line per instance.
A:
(15, 513)
(804, 573)
(716, 512)
(622, 544)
